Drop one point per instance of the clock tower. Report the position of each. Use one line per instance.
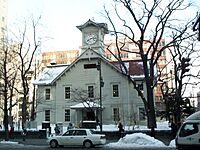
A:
(93, 36)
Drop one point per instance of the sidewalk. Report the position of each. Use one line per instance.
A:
(41, 142)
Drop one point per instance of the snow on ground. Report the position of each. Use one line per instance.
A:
(138, 140)
(130, 140)
(10, 144)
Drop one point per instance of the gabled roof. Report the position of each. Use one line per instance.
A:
(92, 23)
(49, 74)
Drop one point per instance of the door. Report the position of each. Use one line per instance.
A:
(67, 138)
(80, 136)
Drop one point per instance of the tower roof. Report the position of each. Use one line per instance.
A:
(92, 23)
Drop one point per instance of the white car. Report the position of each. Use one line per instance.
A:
(188, 135)
(77, 137)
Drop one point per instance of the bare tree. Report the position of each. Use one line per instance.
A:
(8, 73)
(145, 25)
(89, 101)
(25, 52)
(184, 57)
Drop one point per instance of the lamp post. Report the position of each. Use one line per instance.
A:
(101, 84)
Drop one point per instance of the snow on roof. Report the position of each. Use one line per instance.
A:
(49, 74)
(85, 105)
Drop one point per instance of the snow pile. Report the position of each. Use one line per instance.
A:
(137, 140)
(172, 143)
(8, 142)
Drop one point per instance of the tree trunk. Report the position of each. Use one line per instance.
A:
(5, 121)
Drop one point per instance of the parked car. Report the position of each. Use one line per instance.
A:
(188, 135)
(77, 137)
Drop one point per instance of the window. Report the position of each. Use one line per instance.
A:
(67, 114)
(115, 90)
(116, 114)
(80, 132)
(47, 115)
(47, 94)
(140, 86)
(67, 92)
(90, 66)
(90, 91)
(189, 129)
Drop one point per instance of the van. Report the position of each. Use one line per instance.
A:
(188, 135)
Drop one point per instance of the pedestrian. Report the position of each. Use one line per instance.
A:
(24, 132)
(70, 126)
(57, 130)
(11, 132)
(120, 127)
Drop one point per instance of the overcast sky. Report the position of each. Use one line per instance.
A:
(59, 18)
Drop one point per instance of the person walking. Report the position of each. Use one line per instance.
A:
(120, 127)
(11, 132)
(70, 126)
(57, 129)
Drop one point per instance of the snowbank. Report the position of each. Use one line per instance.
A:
(138, 140)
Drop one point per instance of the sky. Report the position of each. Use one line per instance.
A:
(59, 19)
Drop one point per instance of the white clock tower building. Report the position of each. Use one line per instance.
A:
(93, 36)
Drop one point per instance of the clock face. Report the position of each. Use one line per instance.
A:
(90, 38)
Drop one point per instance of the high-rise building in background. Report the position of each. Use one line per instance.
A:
(58, 57)
(3, 25)
(164, 67)
(3, 17)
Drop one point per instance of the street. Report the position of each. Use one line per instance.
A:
(33, 147)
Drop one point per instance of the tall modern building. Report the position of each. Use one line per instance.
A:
(3, 25)
(3, 17)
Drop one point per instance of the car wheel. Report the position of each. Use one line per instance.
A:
(53, 144)
(87, 144)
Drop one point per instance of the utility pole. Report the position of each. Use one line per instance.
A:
(101, 84)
